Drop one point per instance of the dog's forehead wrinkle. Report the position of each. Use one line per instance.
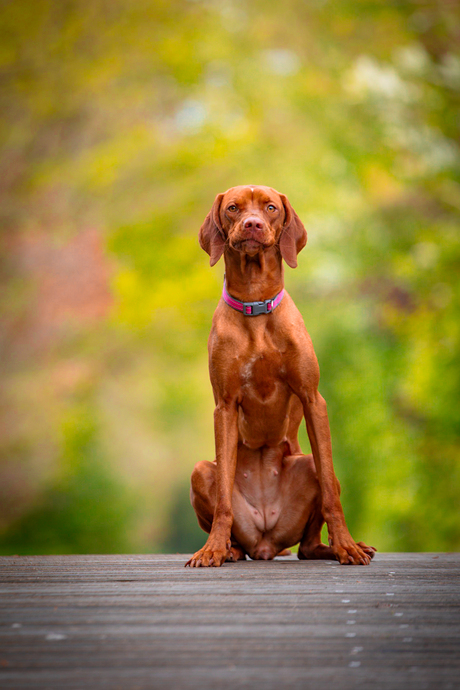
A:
(235, 197)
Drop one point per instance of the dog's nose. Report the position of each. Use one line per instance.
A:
(253, 224)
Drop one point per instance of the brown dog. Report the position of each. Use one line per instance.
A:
(261, 494)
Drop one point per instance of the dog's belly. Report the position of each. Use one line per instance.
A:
(269, 505)
(270, 500)
(259, 479)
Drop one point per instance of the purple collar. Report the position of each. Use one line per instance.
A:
(253, 308)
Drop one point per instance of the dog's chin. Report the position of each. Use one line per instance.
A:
(252, 246)
(249, 246)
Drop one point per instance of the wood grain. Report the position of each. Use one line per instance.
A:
(135, 622)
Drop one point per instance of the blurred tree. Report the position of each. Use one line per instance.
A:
(86, 509)
(127, 120)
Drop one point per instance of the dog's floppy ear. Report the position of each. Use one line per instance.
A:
(211, 235)
(293, 237)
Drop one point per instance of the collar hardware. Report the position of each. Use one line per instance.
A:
(252, 308)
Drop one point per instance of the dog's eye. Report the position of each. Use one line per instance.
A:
(232, 208)
(271, 207)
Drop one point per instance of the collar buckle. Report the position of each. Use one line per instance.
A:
(256, 308)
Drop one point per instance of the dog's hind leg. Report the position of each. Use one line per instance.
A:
(311, 547)
(202, 497)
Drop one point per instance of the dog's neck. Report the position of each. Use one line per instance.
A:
(253, 278)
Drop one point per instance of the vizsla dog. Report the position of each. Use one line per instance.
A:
(262, 495)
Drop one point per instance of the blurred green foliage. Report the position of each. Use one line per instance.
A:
(85, 509)
(128, 118)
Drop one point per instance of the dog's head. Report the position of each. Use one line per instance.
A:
(251, 219)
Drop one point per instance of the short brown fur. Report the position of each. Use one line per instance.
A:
(261, 494)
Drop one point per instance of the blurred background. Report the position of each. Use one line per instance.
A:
(120, 122)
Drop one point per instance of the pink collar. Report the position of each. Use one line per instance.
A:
(253, 308)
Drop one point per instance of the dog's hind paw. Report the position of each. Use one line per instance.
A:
(236, 553)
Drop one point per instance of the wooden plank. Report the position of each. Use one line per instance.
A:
(146, 621)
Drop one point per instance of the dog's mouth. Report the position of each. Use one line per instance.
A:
(249, 245)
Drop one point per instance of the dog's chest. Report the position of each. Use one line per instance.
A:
(260, 373)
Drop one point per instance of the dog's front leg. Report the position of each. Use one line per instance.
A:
(215, 551)
(345, 549)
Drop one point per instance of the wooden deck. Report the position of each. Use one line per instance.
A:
(134, 622)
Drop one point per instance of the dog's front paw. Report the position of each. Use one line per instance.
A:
(213, 553)
(348, 552)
